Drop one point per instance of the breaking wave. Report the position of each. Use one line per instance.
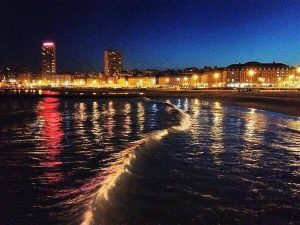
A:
(121, 166)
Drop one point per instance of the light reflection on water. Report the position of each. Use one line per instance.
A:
(51, 134)
(140, 116)
(96, 128)
(254, 123)
(234, 165)
(217, 132)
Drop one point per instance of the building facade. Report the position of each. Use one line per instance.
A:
(48, 55)
(113, 62)
(255, 74)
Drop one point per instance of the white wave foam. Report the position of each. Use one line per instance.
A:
(185, 122)
(128, 155)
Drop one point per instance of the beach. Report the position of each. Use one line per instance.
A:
(287, 102)
(282, 101)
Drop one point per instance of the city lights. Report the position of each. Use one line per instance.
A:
(251, 73)
(216, 75)
(48, 44)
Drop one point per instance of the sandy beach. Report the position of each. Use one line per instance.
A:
(287, 102)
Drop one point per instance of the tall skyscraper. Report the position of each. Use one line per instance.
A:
(113, 62)
(48, 59)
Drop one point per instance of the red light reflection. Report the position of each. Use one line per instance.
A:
(52, 135)
(48, 92)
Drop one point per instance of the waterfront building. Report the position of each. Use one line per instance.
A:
(26, 79)
(48, 56)
(204, 78)
(141, 82)
(293, 80)
(179, 80)
(213, 78)
(113, 62)
(77, 81)
(255, 74)
(61, 80)
(123, 81)
(109, 81)
(93, 82)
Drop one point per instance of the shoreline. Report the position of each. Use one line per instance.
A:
(282, 102)
(286, 102)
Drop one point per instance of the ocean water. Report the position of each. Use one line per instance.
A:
(145, 161)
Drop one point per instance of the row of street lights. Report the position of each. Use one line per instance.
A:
(252, 72)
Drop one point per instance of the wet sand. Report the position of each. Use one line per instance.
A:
(286, 102)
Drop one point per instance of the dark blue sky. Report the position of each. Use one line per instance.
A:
(152, 34)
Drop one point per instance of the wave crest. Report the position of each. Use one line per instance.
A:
(121, 166)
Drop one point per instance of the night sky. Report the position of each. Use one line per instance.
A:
(151, 34)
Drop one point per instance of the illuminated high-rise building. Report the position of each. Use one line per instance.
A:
(48, 59)
(113, 62)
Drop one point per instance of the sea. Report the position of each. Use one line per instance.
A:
(141, 161)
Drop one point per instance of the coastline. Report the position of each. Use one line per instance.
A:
(286, 102)
(281, 101)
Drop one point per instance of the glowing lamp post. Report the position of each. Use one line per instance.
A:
(178, 79)
(185, 81)
(167, 80)
(140, 82)
(291, 80)
(216, 76)
(196, 79)
(251, 74)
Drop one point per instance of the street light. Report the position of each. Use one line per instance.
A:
(178, 79)
(251, 73)
(140, 82)
(216, 76)
(291, 80)
(196, 79)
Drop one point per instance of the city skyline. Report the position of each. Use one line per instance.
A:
(48, 45)
(160, 35)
